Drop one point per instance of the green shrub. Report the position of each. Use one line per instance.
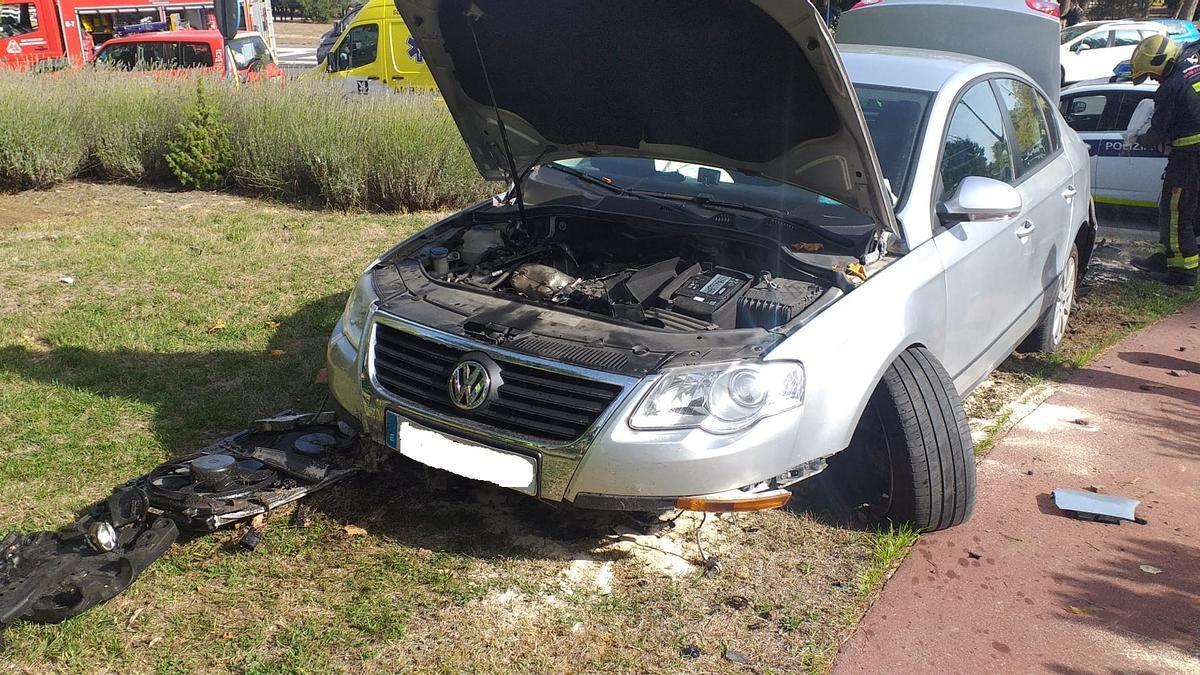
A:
(199, 155)
(133, 119)
(40, 141)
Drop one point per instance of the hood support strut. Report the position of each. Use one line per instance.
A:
(472, 15)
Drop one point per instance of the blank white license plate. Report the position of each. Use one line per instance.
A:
(503, 468)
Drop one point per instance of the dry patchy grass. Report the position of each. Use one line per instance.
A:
(104, 378)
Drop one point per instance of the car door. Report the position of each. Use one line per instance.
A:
(1086, 58)
(1131, 176)
(356, 59)
(984, 260)
(1092, 113)
(1045, 181)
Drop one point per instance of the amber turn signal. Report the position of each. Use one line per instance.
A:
(759, 501)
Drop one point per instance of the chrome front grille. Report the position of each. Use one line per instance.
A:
(532, 403)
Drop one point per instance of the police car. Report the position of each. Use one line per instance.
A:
(1099, 111)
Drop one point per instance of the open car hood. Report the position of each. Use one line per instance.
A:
(753, 85)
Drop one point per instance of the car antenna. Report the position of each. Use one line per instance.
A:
(474, 14)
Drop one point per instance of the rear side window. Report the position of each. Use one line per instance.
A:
(976, 142)
(1129, 103)
(1126, 38)
(1051, 117)
(159, 56)
(1034, 143)
(195, 55)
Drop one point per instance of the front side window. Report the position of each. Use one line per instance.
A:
(249, 51)
(1090, 112)
(1033, 139)
(17, 19)
(976, 144)
(120, 57)
(1071, 32)
(1093, 41)
(359, 47)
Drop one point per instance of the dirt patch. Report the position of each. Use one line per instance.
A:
(300, 33)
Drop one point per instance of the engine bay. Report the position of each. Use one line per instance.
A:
(643, 274)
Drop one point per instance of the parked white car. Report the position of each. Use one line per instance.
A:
(1099, 112)
(1091, 50)
(838, 265)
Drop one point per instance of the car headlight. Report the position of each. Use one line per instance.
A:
(354, 318)
(720, 398)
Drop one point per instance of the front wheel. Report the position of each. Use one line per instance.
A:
(911, 459)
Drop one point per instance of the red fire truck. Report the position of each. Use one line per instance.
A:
(62, 33)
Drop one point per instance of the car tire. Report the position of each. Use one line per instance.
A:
(911, 459)
(1047, 337)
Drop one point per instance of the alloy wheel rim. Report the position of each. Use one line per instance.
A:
(1062, 305)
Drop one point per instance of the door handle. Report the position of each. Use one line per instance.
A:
(1069, 192)
(1025, 229)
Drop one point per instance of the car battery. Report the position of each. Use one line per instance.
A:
(710, 295)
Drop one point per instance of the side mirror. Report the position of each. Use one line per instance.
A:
(981, 199)
(1081, 47)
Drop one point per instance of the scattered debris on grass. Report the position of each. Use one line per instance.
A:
(48, 577)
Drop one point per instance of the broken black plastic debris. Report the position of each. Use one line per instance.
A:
(690, 652)
(49, 577)
(251, 539)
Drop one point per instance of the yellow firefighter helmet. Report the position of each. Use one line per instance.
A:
(1155, 56)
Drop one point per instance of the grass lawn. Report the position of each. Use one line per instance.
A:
(191, 313)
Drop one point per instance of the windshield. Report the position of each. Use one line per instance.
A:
(249, 50)
(1071, 33)
(695, 180)
(894, 119)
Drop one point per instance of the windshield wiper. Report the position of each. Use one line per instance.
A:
(766, 211)
(710, 203)
(612, 187)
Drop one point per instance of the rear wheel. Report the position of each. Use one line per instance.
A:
(911, 459)
(1052, 328)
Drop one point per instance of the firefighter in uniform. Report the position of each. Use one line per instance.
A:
(1176, 124)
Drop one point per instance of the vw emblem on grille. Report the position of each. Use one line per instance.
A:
(469, 385)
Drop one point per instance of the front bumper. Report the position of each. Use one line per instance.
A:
(612, 465)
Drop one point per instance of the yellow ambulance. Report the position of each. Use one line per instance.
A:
(375, 53)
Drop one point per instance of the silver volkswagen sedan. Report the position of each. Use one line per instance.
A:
(720, 267)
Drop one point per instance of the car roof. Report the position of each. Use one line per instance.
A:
(168, 36)
(1104, 84)
(909, 68)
